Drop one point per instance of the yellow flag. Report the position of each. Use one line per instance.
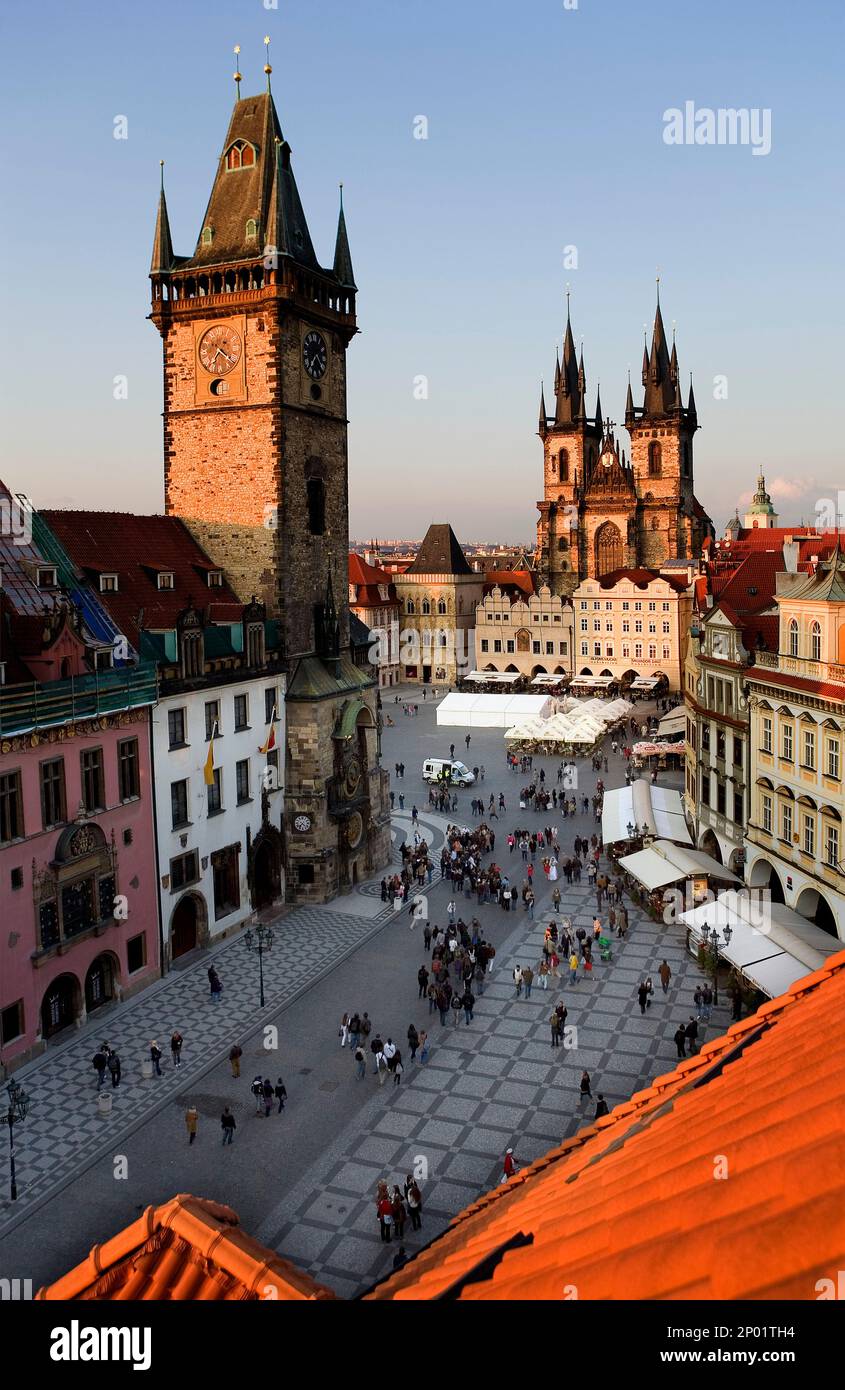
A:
(208, 773)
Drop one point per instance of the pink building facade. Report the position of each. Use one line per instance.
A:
(79, 921)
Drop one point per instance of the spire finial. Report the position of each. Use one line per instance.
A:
(340, 186)
(161, 167)
(568, 292)
(237, 73)
(658, 287)
(267, 67)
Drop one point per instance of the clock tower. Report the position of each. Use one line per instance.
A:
(254, 334)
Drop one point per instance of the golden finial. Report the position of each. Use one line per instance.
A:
(267, 68)
(237, 73)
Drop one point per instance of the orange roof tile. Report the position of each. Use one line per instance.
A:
(191, 1249)
(725, 1179)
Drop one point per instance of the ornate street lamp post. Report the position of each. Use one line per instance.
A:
(264, 942)
(18, 1106)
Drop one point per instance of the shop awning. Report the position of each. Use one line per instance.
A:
(771, 945)
(494, 677)
(663, 863)
(644, 683)
(658, 808)
(672, 724)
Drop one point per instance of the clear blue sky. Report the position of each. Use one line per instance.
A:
(545, 130)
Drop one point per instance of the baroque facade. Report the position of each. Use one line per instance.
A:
(531, 636)
(601, 511)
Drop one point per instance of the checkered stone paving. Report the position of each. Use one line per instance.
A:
(495, 1084)
(64, 1131)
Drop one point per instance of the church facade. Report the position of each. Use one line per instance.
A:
(601, 510)
(254, 335)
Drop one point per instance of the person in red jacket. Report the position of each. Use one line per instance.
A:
(509, 1167)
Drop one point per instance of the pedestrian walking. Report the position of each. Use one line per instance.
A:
(517, 979)
(573, 969)
(555, 1027)
(155, 1056)
(509, 1165)
(413, 1041)
(176, 1048)
(191, 1122)
(114, 1068)
(679, 1038)
(601, 1106)
(100, 1063)
(257, 1089)
(227, 1123)
(528, 980)
(343, 1032)
(281, 1094)
(468, 1004)
(360, 1058)
(235, 1055)
(422, 982)
(642, 995)
(691, 1032)
(384, 1212)
(413, 1197)
(585, 1086)
(267, 1093)
(665, 973)
(215, 985)
(398, 1069)
(424, 1048)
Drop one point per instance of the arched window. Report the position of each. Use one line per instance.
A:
(441, 606)
(655, 524)
(815, 642)
(316, 497)
(563, 465)
(240, 155)
(793, 637)
(609, 550)
(426, 607)
(410, 607)
(563, 543)
(207, 236)
(251, 229)
(655, 460)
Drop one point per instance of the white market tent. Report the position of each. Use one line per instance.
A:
(469, 711)
(771, 945)
(595, 682)
(644, 683)
(658, 808)
(544, 679)
(494, 677)
(672, 724)
(663, 863)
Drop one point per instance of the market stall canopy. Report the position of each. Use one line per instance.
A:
(658, 808)
(663, 863)
(494, 677)
(467, 710)
(771, 945)
(644, 683)
(544, 679)
(672, 724)
(652, 750)
(595, 682)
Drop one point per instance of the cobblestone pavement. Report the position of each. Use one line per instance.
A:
(64, 1130)
(495, 1083)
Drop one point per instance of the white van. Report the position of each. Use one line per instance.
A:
(447, 770)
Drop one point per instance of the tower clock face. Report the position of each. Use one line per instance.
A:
(220, 349)
(315, 357)
(352, 776)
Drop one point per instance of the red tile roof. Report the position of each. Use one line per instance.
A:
(189, 1250)
(520, 580)
(368, 579)
(135, 548)
(630, 1206)
(642, 578)
(827, 690)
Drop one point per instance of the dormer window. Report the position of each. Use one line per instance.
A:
(207, 236)
(108, 583)
(46, 577)
(240, 155)
(251, 229)
(215, 579)
(165, 579)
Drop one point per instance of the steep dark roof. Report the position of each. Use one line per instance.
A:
(569, 384)
(265, 191)
(162, 259)
(440, 553)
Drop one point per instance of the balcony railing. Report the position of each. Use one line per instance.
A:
(28, 707)
(801, 666)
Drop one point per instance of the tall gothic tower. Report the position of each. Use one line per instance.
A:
(254, 334)
(672, 523)
(571, 445)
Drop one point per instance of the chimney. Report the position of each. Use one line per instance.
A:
(790, 555)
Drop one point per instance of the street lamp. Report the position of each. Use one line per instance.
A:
(714, 942)
(18, 1106)
(631, 829)
(264, 943)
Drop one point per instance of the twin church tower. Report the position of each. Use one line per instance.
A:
(601, 511)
